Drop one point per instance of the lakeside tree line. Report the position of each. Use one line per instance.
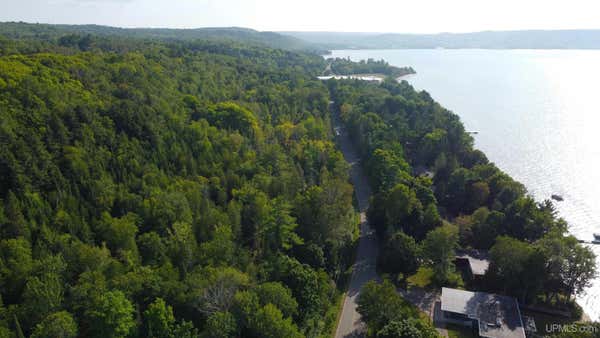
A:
(434, 193)
(341, 66)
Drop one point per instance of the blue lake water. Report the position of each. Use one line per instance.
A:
(538, 117)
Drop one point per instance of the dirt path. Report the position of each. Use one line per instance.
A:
(350, 324)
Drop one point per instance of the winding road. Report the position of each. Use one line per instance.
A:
(350, 323)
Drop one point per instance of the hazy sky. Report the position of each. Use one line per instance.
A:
(414, 16)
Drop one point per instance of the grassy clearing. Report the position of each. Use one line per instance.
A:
(422, 279)
(425, 279)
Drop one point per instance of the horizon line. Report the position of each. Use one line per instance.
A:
(308, 31)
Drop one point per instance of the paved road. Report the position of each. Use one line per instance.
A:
(350, 324)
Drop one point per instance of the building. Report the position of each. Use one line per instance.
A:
(490, 315)
(473, 263)
(423, 171)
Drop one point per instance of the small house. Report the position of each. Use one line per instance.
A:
(473, 264)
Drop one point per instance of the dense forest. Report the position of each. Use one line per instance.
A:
(156, 187)
(168, 190)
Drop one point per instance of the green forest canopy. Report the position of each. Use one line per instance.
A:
(171, 188)
(168, 189)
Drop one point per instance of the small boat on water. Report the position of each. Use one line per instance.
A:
(596, 239)
(558, 198)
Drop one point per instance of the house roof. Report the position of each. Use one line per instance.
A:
(422, 171)
(478, 261)
(497, 316)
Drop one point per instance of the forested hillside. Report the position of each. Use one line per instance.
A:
(46, 34)
(168, 190)
(518, 39)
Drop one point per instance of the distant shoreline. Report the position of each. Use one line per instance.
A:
(329, 50)
(365, 77)
(376, 77)
(587, 39)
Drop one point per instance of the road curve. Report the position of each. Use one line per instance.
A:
(350, 324)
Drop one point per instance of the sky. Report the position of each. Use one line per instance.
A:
(399, 16)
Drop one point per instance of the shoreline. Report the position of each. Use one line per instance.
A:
(375, 77)
(586, 299)
(365, 77)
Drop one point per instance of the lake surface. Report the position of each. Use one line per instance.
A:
(538, 117)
